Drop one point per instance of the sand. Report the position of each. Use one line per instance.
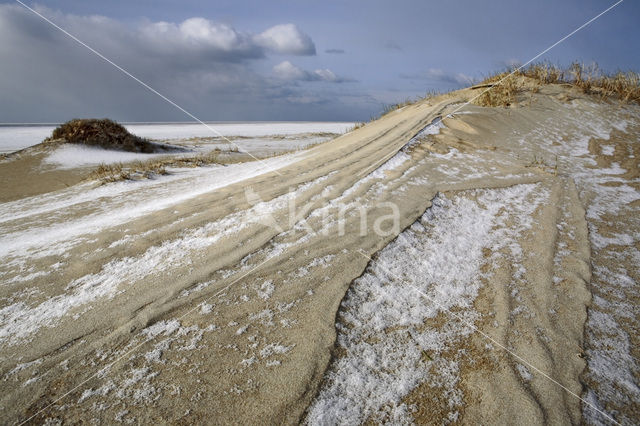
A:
(196, 299)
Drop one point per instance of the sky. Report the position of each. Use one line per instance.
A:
(283, 60)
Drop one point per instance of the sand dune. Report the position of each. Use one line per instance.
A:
(446, 263)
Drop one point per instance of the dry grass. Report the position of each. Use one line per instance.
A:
(504, 87)
(106, 173)
(117, 172)
(147, 169)
(624, 86)
(104, 133)
(502, 92)
(544, 73)
(386, 109)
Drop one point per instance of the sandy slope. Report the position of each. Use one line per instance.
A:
(47, 167)
(199, 298)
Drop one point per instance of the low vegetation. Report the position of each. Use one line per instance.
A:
(147, 169)
(502, 88)
(501, 91)
(116, 172)
(104, 133)
(108, 134)
(386, 109)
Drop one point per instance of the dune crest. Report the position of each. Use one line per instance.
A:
(200, 296)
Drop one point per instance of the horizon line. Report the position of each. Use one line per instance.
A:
(186, 122)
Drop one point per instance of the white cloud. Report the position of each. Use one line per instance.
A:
(286, 38)
(287, 71)
(196, 38)
(206, 66)
(326, 75)
(204, 35)
(196, 34)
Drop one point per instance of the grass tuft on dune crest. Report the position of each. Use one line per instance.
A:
(624, 86)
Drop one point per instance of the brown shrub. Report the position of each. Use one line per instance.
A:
(101, 132)
(502, 92)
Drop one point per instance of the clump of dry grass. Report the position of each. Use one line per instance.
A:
(107, 173)
(104, 133)
(505, 86)
(196, 160)
(624, 86)
(117, 172)
(147, 169)
(502, 91)
(544, 73)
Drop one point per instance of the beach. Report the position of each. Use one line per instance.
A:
(444, 263)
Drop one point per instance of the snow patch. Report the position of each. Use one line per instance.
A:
(432, 267)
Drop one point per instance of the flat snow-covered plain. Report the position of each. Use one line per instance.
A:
(14, 138)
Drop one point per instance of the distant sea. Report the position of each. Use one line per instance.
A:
(14, 137)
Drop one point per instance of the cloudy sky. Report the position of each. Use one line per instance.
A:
(282, 59)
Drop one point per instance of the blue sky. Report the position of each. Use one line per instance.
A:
(283, 60)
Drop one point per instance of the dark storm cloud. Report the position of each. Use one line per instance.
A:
(225, 71)
(202, 64)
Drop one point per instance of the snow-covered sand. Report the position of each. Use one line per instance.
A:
(504, 290)
(13, 138)
(71, 156)
(257, 129)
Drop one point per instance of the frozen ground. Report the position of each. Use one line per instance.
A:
(257, 129)
(431, 269)
(592, 155)
(13, 138)
(213, 292)
(32, 226)
(71, 156)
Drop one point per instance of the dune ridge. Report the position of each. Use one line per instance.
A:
(216, 306)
